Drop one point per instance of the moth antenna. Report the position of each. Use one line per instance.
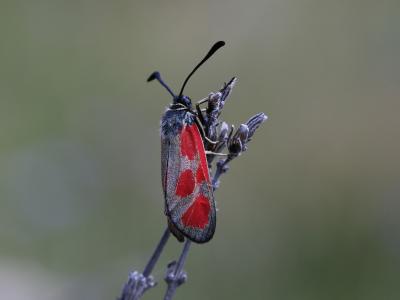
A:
(213, 49)
(156, 75)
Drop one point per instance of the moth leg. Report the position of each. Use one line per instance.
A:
(202, 133)
(200, 114)
(200, 110)
(216, 153)
(210, 141)
(202, 101)
(201, 122)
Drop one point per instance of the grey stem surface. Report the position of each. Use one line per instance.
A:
(139, 283)
(157, 252)
(177, 276)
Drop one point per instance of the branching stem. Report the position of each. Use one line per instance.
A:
(139, 283)
(175, 275)
(221, 168)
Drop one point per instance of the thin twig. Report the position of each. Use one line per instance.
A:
(139, 283)
(175, 275)
(221, 168)
(157, 252)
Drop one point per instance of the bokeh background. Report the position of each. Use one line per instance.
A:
(310, 211)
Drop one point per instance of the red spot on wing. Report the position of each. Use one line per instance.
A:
(188, 141)
(197, 214)
(202, 170)
(185, 185)
(200, 175)
(192, 143)
(203, 166)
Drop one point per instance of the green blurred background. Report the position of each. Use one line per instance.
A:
(310, 211)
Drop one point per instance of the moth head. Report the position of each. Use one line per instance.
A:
(184, 100)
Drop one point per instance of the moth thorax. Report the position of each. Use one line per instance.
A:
(184, 100)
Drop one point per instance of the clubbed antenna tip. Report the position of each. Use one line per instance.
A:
(157, 75)
(153, 76)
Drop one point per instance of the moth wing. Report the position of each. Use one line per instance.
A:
(165, 145)
(187, 187)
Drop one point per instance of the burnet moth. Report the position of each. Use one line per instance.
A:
(188, 192)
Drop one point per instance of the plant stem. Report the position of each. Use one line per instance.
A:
(139, 283)
(157, 252)
(175, 275)
(221, 168)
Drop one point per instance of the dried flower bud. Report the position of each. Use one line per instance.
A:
(226, 91)
(213, 103)
(137, 284)
(242, 133)
(223, 132)
(237, 144)
(170, 275)
(254, 122)
(212, 113)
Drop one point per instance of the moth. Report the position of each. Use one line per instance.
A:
(188, 192)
